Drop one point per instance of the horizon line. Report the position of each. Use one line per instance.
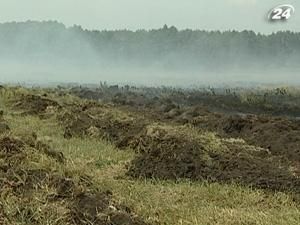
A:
(147, 29)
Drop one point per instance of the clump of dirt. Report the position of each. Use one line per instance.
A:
(78, 124)
(171, 154)
(114, 130)
(38, 181)
(31, 140)
(119, 132)
(36, 105)
(94, 122)
(15, 158)
(10, 146)
(99, 208)
(279, 135)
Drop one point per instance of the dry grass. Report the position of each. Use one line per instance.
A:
(170, 203)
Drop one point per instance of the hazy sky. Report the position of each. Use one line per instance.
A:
(135, 14)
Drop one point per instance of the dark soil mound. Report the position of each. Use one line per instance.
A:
(36, 105)
(10, 146)
(120, 132)
(96, 123)
(15, 156)
(279, 135)
(78, 124)
(38, 181)
(167, 154)
(116, 131)
(99, 208)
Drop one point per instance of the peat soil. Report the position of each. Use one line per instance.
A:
(166, 153)
(263, 154)
(101, 121)
(274, 102)
(38, 190)
(36, 105)
(280, 135)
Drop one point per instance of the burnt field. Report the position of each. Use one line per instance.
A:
(265, 118)
(275, 101)
(110, 154)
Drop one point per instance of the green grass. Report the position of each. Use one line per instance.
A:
(169, 203)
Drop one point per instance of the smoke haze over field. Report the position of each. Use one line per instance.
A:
(51, 52)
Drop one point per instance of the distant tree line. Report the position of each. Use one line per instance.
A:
(168, 46)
